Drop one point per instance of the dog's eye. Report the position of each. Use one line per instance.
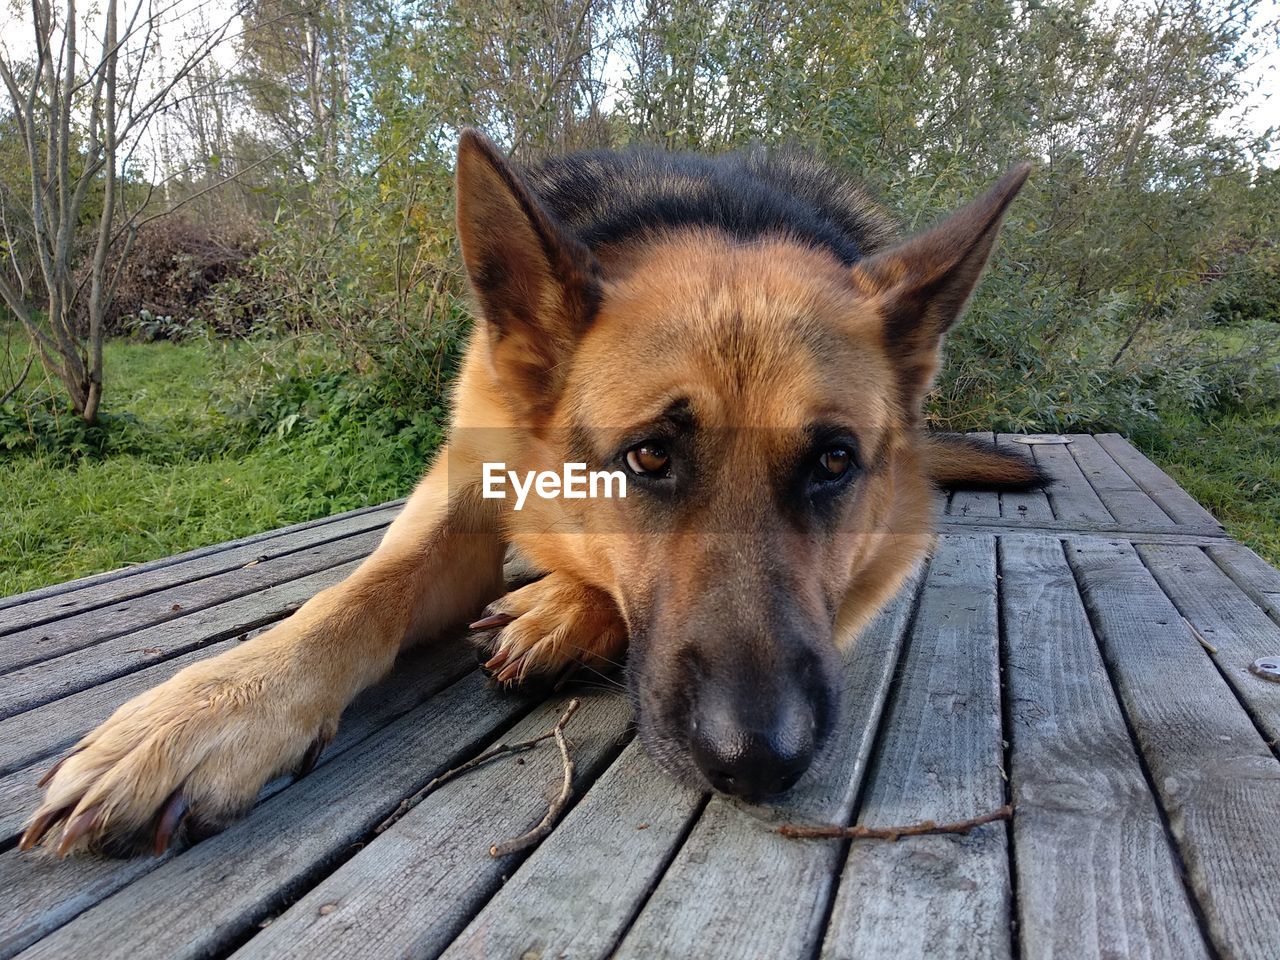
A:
(833, 464)
(649, 459)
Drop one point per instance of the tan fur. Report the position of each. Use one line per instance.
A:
(762, 338)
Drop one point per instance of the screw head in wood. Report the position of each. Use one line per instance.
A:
(1268, 668)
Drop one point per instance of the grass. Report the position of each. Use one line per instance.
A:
(191, 480)
(1232, 466)
(192, 471)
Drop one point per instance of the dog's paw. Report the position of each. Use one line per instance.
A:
(184, 758)
(549, 628)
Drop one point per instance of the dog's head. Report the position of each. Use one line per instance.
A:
(762, 399)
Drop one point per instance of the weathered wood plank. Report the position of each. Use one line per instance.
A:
(737, 888)
(47, 729)
(48, 680)
(1096, 875)
(53, 893)
(1251, 573)
(84, 630)
(267, 539)
(411, 890)
(1069, 494)
(578, 891)
(208, 898)
(1216, 779)
(1220, 611)
(419, 674)
(939, 758)
(1169, 533)
(1161, 487)
(1127, 502)
(1026, 506)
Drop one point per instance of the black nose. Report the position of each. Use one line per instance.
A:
(749, 758)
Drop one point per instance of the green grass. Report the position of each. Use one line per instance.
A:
(1232, 466)
(194, 470)
(188, 477)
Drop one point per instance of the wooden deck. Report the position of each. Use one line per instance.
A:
(1084, 653)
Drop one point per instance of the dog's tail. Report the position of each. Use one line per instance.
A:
(957, 462)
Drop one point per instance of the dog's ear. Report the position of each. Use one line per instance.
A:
(921, 285)
(538, 286)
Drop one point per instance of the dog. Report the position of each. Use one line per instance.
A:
(747, 341)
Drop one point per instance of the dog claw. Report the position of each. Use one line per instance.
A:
(77, 828)
(40, 826)
(175, 811)
(53, 771)
(312, 756)
(491, 621)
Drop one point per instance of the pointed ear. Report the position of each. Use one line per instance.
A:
(923, 284)
(538, 286)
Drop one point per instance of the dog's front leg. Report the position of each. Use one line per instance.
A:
(201, 745)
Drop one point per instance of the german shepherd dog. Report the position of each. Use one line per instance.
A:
(749, 343)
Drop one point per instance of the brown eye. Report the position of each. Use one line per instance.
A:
(649, 459)
(833, 464)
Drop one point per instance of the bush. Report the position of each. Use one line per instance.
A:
(166, 281)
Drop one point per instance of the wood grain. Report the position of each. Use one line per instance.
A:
(210, 896)
(412, 889)
(79, 631)
(1251, 573)
(1227, 619)
(1126, 501)
(577, 893)
(1070, 494)
(47, 680)
(939, 758)
(1218, 782)
(1161, 487)
(1096, 874)
(737, 888)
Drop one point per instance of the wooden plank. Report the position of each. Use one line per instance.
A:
(53, 893)
(1223, 615)
(1216, 779)
(566, 902)
(207, 899)
(1251, 573)
(1070, 495)
(418, 675)
(1127, 502)
(412, 889)
(48, 680)
(52, 727)
(1161, 487)
(82, 630)
(939, 758)
(1184, 534)
(1026, 506)
(266, 538)
(1096, 875)
(737, 888)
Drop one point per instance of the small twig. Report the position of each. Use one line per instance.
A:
(1203, 642)
(556, 807)
(796, 831)
(501, 750)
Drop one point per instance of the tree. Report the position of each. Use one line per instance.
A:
(80, 116)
